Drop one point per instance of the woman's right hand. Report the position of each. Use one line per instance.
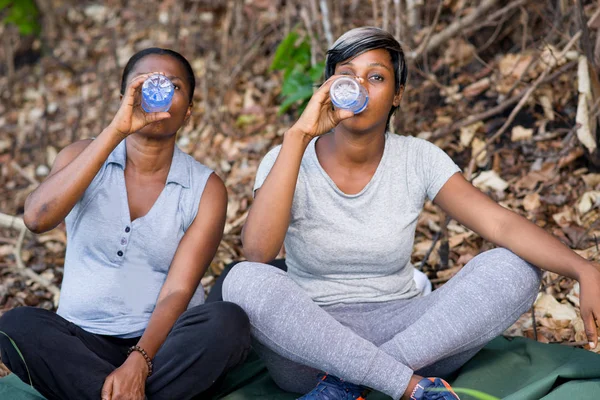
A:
(319, 116)
(131, 117)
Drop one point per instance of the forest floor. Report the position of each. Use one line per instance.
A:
(507, 89)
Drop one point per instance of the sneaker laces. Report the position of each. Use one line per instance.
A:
(337, 387)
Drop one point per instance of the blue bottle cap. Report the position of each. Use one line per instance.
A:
(348, 94)
(157, 93)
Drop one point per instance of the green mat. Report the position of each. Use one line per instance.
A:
(511, 369)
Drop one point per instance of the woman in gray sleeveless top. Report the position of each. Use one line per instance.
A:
(344, 196)
(144, 221)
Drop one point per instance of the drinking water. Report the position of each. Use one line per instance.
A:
(348, 94)
(157, 93)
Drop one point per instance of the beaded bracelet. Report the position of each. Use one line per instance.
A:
(146, 357)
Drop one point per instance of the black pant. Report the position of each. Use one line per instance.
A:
(66, 362)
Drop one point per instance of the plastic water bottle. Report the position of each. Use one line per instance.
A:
(347, 93)
(157, 93)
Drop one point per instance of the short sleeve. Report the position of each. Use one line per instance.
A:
(88, 194)
(437, 168)
(199, 175)
(265, 167)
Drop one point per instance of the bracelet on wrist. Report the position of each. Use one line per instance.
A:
(144, 354)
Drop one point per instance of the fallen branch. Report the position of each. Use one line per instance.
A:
(454, 28)
(524, 99)
(12, 222)
(471, 119)
(425, 42)
(24, 173)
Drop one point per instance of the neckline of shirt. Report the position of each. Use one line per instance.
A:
(312, 152)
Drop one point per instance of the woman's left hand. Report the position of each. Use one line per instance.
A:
(128, 382)
(589, 299)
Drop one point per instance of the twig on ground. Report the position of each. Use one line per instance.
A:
(314, 12)
(575, 344)
(386, 14)
(398, 22)
(534, 323)
(24, 173)
(326, 24)
(525, 97)
(313, 41)
(493, 16)
(444, 250)
(498, 109)
(413, 13)
(225, 30)
(586, 43)
(436, 237)
(375, 12)
(12, 222)
(455, 27)
(9, 221)
(425, 41)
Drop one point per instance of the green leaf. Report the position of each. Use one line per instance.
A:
(284, 51)
(297, 77)
(471, 392)
(293, 57)
(23, 14)
(302, 94)
(12, 342)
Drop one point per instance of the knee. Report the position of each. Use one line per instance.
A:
(231, 322)
(20, 322)
(230, 316)
(515, 273)
(246, 279)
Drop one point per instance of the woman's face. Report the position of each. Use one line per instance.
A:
(376, 72)
(181, 107)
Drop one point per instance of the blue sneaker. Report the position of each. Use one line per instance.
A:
(433, 389)
(332, 388)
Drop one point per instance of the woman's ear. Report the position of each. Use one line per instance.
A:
(398, 96)
(188, 112)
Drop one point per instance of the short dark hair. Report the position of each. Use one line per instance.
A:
(360, 40)
(191, 79)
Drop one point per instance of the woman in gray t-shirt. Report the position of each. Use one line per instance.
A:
(344, 196)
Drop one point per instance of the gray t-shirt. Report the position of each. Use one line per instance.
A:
(356, 248)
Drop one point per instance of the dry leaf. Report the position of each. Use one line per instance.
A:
(532, 202)
(477, 145)
(585, 133)
(490, 180)
(564, 218)
(519, 133)
(477, 88)
(455, 240)
(588, 201)
(547, 106)
(447, 274)
(591, 180)
(468, 132)
(573, 295)
(514, 64)
(547, 305)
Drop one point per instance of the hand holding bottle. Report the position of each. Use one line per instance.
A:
(131, 117)
(319, 116)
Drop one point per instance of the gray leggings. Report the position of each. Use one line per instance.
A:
(379, 345)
